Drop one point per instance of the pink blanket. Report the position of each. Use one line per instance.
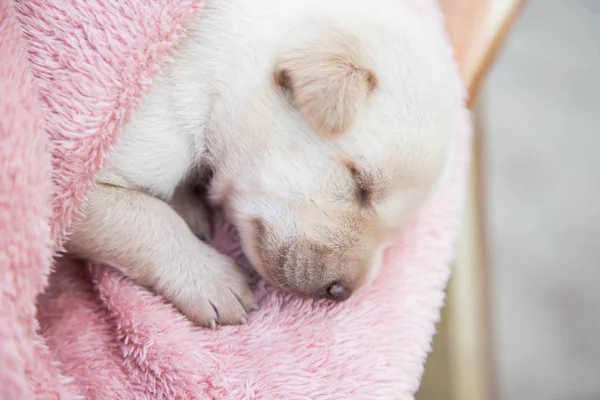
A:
(70, 74)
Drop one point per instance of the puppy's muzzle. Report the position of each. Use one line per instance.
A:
(309, 268)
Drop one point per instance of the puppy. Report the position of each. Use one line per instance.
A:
(325, 125)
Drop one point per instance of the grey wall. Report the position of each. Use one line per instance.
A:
(542, 103)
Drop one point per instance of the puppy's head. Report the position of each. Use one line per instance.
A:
(333, 152)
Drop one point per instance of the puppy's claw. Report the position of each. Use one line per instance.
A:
(247, 301)
(214, 308)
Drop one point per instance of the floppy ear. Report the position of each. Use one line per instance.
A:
(326, 83)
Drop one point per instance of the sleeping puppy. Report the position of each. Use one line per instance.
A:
(325, 124)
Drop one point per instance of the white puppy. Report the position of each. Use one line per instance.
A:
(325, 125)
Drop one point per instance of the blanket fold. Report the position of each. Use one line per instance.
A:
(71, 73)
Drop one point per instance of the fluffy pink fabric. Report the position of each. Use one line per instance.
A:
(70, 74)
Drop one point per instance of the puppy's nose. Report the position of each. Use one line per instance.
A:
(336, 291)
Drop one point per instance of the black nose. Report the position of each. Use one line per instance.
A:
(336, 291)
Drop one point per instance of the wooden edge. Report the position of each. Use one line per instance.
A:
(470, 356)
(470, 349)
(484, 65)
(464, 20)
(480, 202)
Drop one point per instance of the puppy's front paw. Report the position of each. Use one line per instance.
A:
(219, 294)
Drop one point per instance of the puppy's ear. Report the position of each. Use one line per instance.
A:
(326, 83)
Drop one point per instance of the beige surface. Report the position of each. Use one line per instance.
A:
(543, 183)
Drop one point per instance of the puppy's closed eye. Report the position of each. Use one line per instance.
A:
(363, 187)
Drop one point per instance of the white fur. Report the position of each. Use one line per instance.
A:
(216, 104)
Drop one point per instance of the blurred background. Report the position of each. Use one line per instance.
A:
(532, 325)
(541, 106)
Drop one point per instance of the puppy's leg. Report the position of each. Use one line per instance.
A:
(191, 207)
(150, 243)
